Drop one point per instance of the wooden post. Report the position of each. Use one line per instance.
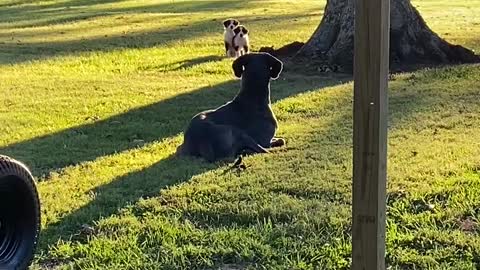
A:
(372, 25)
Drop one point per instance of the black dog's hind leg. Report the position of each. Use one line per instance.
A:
(205, 150)
(247, 145)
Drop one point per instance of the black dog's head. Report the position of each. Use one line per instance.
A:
(240, 30)
(230, 24)
(258, 66)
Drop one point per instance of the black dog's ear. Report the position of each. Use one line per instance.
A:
(238, 65)
(276, 66)
(226, 23)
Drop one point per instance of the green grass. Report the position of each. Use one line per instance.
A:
(95, 96)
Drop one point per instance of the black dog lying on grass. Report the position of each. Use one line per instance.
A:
(245, 125)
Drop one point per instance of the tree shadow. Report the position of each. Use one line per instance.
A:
(74, 10)
(142, 125)
(197, 61)
(151, 123)
(16, 51)
(404, 105)
(192, 6)
(336, 134)
(16, 3)
(123, 191)
(40, 50)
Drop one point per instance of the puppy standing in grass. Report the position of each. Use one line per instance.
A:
(244, 125)
(228, 35)
(240, 41)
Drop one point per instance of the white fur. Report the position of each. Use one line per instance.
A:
(241, 41)
(228, 35)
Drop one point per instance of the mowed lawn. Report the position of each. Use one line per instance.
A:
(95, 95)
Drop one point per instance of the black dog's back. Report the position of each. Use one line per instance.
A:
(204, 138)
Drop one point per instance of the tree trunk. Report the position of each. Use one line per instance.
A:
(412, 43)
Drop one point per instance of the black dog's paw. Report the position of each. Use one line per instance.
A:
(237, 167)
(277, 142)
(238, 162)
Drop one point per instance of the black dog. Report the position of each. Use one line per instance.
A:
(244, 125)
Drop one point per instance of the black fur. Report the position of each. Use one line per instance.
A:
(239, 28)
(234, 23)
(226, 23)
(244, 125)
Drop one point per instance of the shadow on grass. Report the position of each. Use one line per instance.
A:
(14, 50)
(14, 3)
(403, 105)
(124, 191)
(197, 61)
(334, 137)
(20, 52)
(337, 133)
(146, 124)
(75, 10)
(187, 64)
(151, 123)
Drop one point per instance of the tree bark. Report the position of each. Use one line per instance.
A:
(412, 43)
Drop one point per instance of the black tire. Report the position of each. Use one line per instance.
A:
(19, 215)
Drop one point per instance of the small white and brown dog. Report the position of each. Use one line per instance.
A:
(240, 41)
(228, 35)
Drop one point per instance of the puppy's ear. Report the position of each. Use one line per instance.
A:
(236, 22)
(245, 30)
(238, 65)
(276, 66)
(226, 23)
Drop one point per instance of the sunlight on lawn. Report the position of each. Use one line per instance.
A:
(96, 95)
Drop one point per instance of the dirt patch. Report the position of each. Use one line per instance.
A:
(288, 54)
